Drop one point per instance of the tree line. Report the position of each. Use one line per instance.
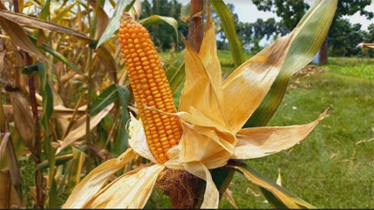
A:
(342, 38)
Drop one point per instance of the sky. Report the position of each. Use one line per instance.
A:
(248, 12)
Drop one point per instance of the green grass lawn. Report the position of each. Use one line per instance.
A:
(334, 166)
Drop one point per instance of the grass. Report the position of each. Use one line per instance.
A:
(355, 67)
(334, 166)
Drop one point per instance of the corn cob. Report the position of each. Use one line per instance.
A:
(150, 87)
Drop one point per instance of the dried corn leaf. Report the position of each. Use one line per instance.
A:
(102, 21)
(12, 162)
(228, 196)
(9, 198)
(365, 45)
(23, 119)
(58, 111)
(28, 21)
(19, 38)
(107, 60)
(80, 130)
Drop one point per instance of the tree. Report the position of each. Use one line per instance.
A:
(291, 12)
(252, 33)
(346, 37)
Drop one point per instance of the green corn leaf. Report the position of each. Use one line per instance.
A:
(57, 55)
(154, 19)
(46, 92)
(47, 95)
(43, 15)
(114, 22)
(120, 145)
(311, 33)
(2, 114)
(276, 194)
(228, 26)
(52, 204)
(30, 69)
(108, 96)
(222, 178)
(175, 73)
(59, 160)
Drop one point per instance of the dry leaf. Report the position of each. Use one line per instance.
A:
(80, 130)
(9, 197)
(23, 119)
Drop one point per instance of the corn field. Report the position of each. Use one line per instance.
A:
(101, 121)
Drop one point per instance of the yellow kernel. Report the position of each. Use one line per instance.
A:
(150, 76)
(151, 103)
(149, 98)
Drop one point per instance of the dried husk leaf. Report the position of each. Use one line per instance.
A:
(263, 141)
(209, 58)
(245, 88)
(204, 140)
(198, 90)
(96, 179)
(137, 139)
(131, 190)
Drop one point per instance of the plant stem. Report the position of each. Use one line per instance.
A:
(39, 204)
(196, 24)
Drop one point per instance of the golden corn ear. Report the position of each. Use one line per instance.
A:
(150, 88)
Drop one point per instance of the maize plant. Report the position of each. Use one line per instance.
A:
(206, 132)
